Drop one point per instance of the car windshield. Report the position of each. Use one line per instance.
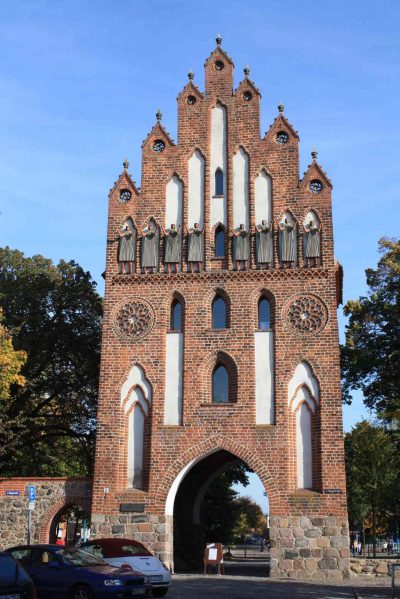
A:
(8, 568)
(77, 557)
(111, 549)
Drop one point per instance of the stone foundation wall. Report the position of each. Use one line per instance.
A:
(307, 548)
(153, 531)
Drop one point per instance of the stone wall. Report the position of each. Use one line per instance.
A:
(53, 495)
(153, 531)
(309, 548)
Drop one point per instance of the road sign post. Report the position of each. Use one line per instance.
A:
(31, 507)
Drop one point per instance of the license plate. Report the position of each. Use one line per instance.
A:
(10, 596)
(138, 591)
(155, 578)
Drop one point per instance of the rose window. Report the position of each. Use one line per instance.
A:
(134, 319)
(282, 137)
(307, 314)
(158, 146)
(315, 186)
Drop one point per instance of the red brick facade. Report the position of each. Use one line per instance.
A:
(270, 450)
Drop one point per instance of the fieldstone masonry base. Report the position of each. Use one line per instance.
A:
(302, 547)
(307, 548)
(153, 531)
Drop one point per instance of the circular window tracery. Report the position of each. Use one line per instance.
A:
(134, 319)
(282, 137)
(125, 195)
(191, 100)
(158, 146)
(307, 314)
(315, 186)
(247, 96)
(219, 65)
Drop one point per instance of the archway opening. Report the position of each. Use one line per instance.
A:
(70, 524)
(219, 499)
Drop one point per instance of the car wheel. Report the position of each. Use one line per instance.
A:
(81, 591)
(160, 592)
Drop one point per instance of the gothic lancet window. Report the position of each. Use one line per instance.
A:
(264, 315)
(219, 182)
(219, 242)
(176, 316)
(219, 313)
(220, 384)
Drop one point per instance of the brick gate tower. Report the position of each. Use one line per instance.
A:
(220, 337)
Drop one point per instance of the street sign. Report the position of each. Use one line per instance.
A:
(31, 505)
(12, 493)
(32, 493)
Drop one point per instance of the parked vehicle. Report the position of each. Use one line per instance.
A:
(120, 552)
(70, 573)
(15, 582)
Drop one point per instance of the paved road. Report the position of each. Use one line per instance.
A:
(210, 587)
(196, 586)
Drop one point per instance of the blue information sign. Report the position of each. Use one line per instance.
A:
(32, 493)
(12, 493)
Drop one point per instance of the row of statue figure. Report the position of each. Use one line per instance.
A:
(264, 242)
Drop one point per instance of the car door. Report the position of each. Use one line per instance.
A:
(49, 575)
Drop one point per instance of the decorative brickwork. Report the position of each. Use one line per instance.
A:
(307, 314)
(301, 435)
(134, 319)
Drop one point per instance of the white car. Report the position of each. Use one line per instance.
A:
(129, 553)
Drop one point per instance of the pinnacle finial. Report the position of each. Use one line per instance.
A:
(125, 164)
(191, 75)
(159, 115)
(314, 155)
(281, 108)
(218, 39)
(246, 71)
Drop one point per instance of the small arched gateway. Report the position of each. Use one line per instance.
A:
(224, 365)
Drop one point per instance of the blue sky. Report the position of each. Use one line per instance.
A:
(80, 83)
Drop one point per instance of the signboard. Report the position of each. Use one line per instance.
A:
(333, 491)
(131, 507)
(31, 505)
(12, 493)
(213, 555)
(32, 493)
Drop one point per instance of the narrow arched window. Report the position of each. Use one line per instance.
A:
(219, 182)
(219, 313)
(219, 243)
(220, 385)
(264, 315)
(176, 316)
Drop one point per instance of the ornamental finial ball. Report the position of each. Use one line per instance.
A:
(191, 75)
(314, 155)
(281, 107)
(159, 115)
(218, 39)
(246, 70)
(126, 164)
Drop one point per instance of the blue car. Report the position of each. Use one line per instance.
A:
(67, 572)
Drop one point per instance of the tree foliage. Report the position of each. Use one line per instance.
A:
(373, 475)
(226, 516)
(11, 362)
(371, 354)
(53, 313)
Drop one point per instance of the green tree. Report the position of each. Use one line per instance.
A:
(218, 508)
(255, 518)
(371, 354)
(54, 314)
(372, 473)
